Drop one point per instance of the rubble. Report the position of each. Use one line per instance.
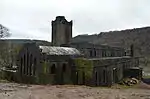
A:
(129, 81)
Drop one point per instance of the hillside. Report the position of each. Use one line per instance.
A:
(23, 41)
(84, 38)
(140, 37)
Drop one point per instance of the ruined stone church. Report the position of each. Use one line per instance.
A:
(65, 62)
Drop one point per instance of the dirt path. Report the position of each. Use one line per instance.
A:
(17, 91)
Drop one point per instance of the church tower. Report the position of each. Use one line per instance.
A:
(61, 31)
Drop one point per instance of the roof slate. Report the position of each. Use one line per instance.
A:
(51, 50)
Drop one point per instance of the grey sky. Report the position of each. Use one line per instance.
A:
(32, 18)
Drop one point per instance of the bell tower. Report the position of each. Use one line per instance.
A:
(61, 31)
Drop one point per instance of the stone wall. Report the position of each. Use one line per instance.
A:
(42, 68)
(111, 70)
(98, 51)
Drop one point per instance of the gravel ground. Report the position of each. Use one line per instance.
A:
(18, 91)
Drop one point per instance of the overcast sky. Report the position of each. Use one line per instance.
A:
(32, 18)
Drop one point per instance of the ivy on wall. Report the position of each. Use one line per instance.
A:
(45, 67)
(44, 77)
(86, 66)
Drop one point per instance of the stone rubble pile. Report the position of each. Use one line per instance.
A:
(129, 81)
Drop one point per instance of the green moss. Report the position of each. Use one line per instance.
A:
(45, 79)
(146, 76)
(67, 79)
(17, 49)
(4, 81)
(45, 67)
(86, 66)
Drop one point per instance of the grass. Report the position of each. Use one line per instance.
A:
(116, 86)
(126, 87)
(4, 81)
(146, 76)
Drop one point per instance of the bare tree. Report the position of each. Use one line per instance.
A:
(4, 32)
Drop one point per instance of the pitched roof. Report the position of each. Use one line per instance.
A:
(51, 50)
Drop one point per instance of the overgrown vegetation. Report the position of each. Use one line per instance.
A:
(44, 77)
(146, 76)
(45, 67)
(84, 66)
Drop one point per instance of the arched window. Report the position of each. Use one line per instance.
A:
(53, 69)
(30, 65)
(100, 78)
(96, 78)
(83, 77)
(64, 67)
(91, 53)
(104, 76)
(76, 77)
(95, 53)
(21, 65)
(27, 63)
(103, 53)
(24, 65)
(34, 66)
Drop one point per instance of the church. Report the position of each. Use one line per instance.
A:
(67, 62)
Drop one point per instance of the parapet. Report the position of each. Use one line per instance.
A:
(61, 19)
